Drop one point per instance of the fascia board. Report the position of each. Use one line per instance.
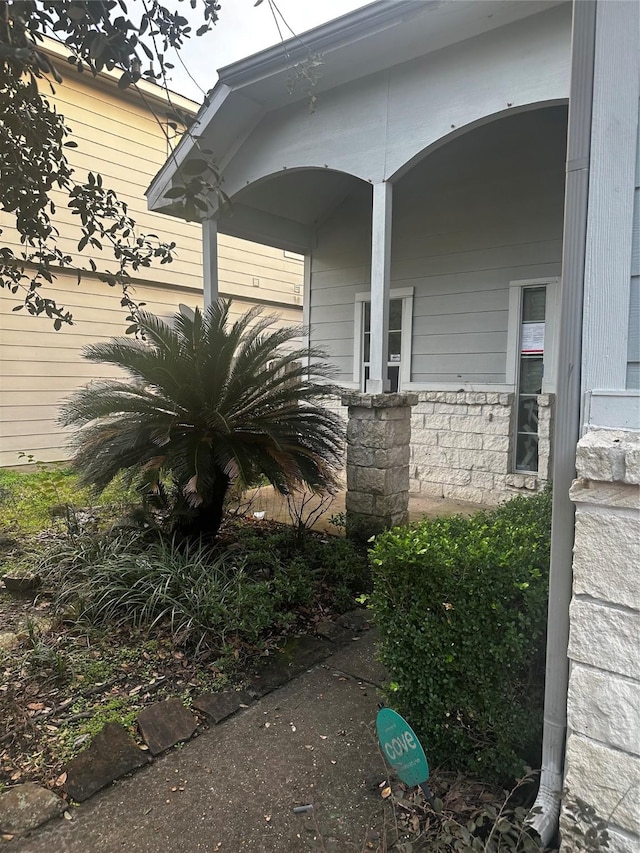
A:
(336, 33)
(163, 180)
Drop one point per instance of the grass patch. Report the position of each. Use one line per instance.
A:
(43, 497)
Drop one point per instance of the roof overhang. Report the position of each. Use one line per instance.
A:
(363, 42)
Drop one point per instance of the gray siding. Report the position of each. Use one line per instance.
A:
(481, 211)
(633, 359)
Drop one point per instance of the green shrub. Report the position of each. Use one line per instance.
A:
(461, 608)
(331, 562)
(205, 595)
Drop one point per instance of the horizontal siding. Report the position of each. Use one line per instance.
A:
(41, 367)
(483, 211)
(633, 359)
(122, 139)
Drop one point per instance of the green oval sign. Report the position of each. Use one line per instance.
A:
(401, 747)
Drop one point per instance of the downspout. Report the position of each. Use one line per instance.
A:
(567, 420)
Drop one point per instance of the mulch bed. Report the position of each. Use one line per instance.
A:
(63, 682)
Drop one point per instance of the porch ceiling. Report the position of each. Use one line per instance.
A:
(354, 46)
(285, 209)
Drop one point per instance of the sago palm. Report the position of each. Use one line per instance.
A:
(207, 402)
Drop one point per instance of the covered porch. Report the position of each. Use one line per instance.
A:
(424, 188)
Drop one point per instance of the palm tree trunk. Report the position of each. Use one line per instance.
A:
(205, 519)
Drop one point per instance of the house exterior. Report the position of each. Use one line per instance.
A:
(122, 135)
(439, 206)
(598, 606)
(460, 179)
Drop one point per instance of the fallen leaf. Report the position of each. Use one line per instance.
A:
(62, 778)
(386, 792)
(36, 706)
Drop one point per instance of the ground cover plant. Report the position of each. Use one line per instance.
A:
(125, 616)
(461, 608)
(39, 495)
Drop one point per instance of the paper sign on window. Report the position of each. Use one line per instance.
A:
(532, 338)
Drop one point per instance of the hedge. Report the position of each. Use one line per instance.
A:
(461, 605)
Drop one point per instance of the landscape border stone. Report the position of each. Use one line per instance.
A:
(26, 807)
(166, 723)
(219, 706)
(111, 754)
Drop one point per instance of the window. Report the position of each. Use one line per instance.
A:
(531, 367)
(399, 341)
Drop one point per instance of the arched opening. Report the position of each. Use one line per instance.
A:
(285, 209)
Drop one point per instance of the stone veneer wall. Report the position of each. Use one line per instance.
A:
(603, 745)
(378, 436)
(462, 445)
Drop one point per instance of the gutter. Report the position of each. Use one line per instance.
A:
(567, 421)
(336, 33)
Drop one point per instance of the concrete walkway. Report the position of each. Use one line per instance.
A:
(234, 788)
(274, 506)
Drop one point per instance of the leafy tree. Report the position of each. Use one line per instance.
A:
(34, 137)
(208, 403)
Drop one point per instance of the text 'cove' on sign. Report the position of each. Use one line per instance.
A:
(401, 747)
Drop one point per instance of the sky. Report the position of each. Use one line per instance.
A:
(244, 29)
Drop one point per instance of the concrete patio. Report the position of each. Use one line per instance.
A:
(275, 508)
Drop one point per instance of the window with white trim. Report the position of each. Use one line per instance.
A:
(530, 362)
(399, 340)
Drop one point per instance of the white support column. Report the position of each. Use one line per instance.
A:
(380, 285)
(210, 261)
(614, 140)
(306, 303)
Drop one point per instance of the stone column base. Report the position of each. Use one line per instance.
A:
(378, 442)
(602, 764)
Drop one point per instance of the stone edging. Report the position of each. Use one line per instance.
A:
(113, 753)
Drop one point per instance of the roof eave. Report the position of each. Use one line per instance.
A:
(163, 180)
(336, 33)
(339, 32)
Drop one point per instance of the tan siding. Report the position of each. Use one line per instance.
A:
(41, 367)
(122, 140)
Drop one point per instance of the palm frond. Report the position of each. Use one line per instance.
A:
(207, 402)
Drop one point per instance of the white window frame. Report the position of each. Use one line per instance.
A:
(406, 295)
(514, 332)
(549, 361)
